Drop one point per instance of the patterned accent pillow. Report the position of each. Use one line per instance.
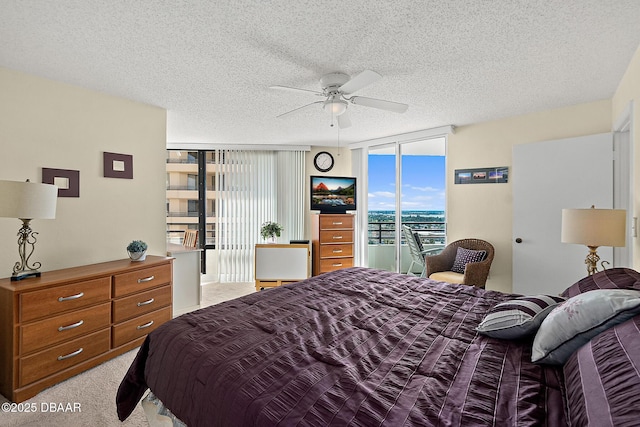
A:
(572, 324)
(464, 257)
(519, 317)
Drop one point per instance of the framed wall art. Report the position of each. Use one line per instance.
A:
(118, 165)
(495, 175)
(68, 181)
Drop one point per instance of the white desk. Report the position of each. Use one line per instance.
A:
(187, 293)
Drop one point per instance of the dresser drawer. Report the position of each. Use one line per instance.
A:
(140, 280)
(37, 335)
(336, 236)
(48, 302)
(336, 222)
(140, 326)
(55, 359)
(331, 264)
(137, 304)
(336, 251)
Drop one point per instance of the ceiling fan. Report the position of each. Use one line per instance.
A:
(337, 90)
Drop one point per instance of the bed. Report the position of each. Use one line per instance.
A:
(367, 347)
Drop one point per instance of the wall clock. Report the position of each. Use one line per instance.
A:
(323, 161)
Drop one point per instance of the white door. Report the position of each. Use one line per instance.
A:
(547, 177)
(622, 191)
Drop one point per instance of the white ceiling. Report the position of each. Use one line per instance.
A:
(210, 63)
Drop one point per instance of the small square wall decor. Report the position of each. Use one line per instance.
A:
(68, 181)
(118, 165)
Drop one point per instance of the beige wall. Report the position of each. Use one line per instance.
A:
(54, 125)
(484, 211)
(629, 92)
(342, 167)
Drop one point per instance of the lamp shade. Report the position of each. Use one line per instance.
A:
(594, 227)
(28, 200)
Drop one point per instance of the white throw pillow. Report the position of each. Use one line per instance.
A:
(572, 324)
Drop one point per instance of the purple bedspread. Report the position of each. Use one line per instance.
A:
(353, 347)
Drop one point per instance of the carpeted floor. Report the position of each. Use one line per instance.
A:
(92, 393)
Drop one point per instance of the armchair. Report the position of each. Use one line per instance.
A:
(441, 267)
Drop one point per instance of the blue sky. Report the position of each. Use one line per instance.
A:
(423, 179)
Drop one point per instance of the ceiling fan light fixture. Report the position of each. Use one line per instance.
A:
(335, 106)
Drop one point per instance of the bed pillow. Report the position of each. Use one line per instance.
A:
(613, 278)
(464, 257)
(602, 378)
(519, 317)
(572, 324)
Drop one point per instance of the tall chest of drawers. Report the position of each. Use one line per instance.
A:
(67, 321)
(332, 241)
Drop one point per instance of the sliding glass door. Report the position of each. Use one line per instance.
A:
(406, 185)
(382, 207)
(422, 201)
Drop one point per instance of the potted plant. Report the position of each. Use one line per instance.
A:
(137, 250)
(270, 230)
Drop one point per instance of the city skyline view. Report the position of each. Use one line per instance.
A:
(423, 182)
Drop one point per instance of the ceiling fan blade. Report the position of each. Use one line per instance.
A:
(396, 107)
(299, 108)
(343, 120)
(363, 79)
(295, 89)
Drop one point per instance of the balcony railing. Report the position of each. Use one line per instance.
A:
(183, 214)
(182, 161)
(188, 214)
(384, 233)
(183, 187)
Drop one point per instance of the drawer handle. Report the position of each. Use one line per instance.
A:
(76, 296)
(147, 302)
(72, 326)
(337, 265)
(75, 353)
(146, 279)
(337, 251)
(337, 237)
(337, 223)
(146, 325)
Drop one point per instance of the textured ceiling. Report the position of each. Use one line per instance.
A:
(210, 63)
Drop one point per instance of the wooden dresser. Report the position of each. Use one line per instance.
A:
(67, 321)
(332, 241)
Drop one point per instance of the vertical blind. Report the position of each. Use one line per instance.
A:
(253, 187)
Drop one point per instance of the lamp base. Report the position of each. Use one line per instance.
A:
(592, 260)
(26, 245)
(24, 274)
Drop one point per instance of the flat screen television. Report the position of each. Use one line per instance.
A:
(333, 194)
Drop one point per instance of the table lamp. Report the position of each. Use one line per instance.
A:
(27, 201)
(593, 228)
